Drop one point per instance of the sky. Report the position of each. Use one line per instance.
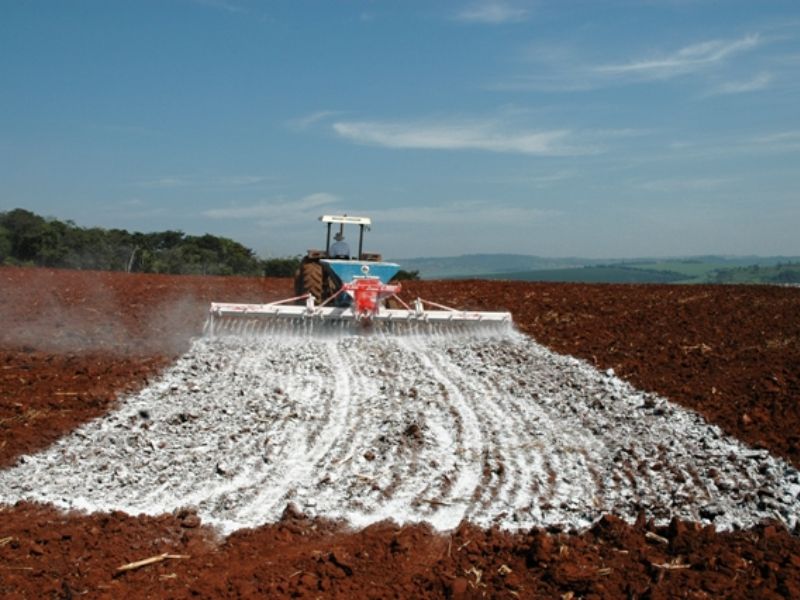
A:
(602, 129)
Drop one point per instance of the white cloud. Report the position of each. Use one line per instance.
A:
(759, 82)
(238, 180)
(562, 68)
(782, 137)
(133, 208)
(222, 181)
(307, 121)
(135, 130)
(732, 144)
(541, 181)
(280, 210)
(225, 5)
(555, 67)
(164, 182)
(688, 59)
(479, 213)
(555, 82)
(487, 135)
(701, 184)
(492, 12)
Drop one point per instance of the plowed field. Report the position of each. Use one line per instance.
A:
(492, 466)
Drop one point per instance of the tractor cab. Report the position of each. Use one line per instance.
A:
(336, 223)
(322, 273)
(335, 231)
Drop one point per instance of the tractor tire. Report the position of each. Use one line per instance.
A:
(393, 303)
(309, 279)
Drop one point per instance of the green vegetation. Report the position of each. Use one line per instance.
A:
(281, 267)
(697, 269)
(732, 270)
(781, 273)
(661, 273)
(690, 269)
(28, 239)
(403, 275)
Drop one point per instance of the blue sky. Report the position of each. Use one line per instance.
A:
(572, 128)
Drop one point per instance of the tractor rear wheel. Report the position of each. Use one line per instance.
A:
(393, 303)
(309, 279)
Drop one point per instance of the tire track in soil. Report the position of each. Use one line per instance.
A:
(497, 430)
(306, 449)
(240, 486)
(516, 431)
(333, 467)
(495, 461)
(408, 440)
(468, 443)
(369, 482)
(394, 474)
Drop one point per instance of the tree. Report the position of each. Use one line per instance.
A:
(164, 240)
(52, 248)
(26, 230)
(280, 267)
(787, 274)
(5, 245)
(30, 239)
(403, 275)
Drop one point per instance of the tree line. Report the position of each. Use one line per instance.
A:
(28, 239)
(780, 273)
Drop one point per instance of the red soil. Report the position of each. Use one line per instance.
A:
(70, 342)
(731, 353)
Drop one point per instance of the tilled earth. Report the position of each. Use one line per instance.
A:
(499, 431)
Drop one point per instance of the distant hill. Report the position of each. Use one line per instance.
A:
(595, 274)
(480, 265)
(693, 269)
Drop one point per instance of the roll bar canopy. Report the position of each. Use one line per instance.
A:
(346, 220)
(342, 220)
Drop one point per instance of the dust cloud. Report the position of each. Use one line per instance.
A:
(39, 313)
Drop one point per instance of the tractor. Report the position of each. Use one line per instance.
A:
(322, 273)
(337, 291)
